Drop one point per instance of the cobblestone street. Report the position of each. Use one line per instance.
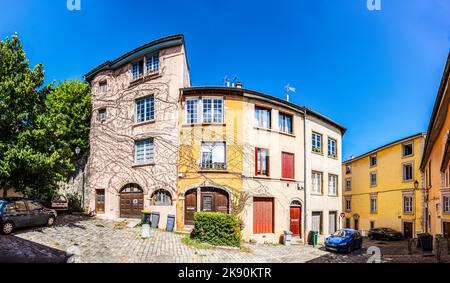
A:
(95, 241)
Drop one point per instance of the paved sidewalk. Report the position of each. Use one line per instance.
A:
(102, 241)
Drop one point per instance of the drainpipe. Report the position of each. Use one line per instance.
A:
(305, 237)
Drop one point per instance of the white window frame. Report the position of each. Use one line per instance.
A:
(412, 149)
(316, 143)
(148, 153)
(317, 184)
(408, 206)
(198, 115)
(282, 123)
(446, 203)
(348, 180)
(211, 145)
(260, 119)
(152, 112)
(154, 61)
(373, 173)
(103, 86)
(331, 191)
(404, 171)
(348, 204)
(373, 200)
(213, 110)
(334, 153)
(133, 78)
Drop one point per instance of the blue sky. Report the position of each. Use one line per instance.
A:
(375, 72)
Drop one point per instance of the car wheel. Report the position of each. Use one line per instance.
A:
(7, 228)
(51, 221)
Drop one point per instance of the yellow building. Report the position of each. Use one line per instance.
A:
(382, 188)
(435, 162)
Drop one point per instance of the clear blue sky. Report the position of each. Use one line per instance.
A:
(375, 72)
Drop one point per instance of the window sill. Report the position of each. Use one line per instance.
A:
(408, 156)
(316, 194)
(213, 171)
(263, 129)
(145, 78)
(333, 196)
(333, 157)
(262, 177)
(318, 153)
(143, 123)
(288, 179)
(287, 134)
(136, 165)
(186, 125)
(408, 213)
(408, 181)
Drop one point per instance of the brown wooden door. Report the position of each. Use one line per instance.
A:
(263, 218)
(100, 201)
(207, 204)
(446, 229)
(131, 204)
(296, 220)
(221, 202)
(190, 203)
(356, 224)
(408, 230)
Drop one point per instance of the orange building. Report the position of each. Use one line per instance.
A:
(435, 162)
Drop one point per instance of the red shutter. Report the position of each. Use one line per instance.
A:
(263, 209)
(287, 165)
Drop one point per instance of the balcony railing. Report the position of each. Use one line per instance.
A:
(212, 166)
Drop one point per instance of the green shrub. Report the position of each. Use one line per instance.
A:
(74, 202)
(217, 229)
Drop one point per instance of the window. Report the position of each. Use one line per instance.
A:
(102, 114)
(332, 148)
(263, 117)
(152, 63)
(161, 198)
(348, 204)
(20, 206)
(34, 205)
(446, 204)
(408, 204)
(407, 149)
(287, 166)
(103, 86)
(348, 184)
(144, 151)
(373, 160)
(285, 123)
(316, 182)
(145, 109)
(332, 221)
(316, 142)
(317, 222)
(191, 111)
(137, 70)
(373, 204)
(332, 184)
(212, 110)
(372, 224)
(213, 156)
(262, 162)
(408, 172)
(373, 179)
(348, 169)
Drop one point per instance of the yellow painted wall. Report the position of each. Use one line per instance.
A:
(437, 180)
(389, 189)
(191, 138)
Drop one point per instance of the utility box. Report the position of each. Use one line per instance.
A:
(287, 238)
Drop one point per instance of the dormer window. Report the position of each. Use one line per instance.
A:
(152, 63)
(137, 69)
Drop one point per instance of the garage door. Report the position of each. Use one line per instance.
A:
(263, 215)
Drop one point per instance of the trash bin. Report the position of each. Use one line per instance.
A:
(425, 241)
(146, 217)
(170, 222)
(313, 237)
(155, 219)
(287, 237)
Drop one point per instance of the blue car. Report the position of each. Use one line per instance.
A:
(344, 240)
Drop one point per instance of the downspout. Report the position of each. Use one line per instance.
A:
(305, 237)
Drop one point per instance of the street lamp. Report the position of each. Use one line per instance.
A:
(77, 152)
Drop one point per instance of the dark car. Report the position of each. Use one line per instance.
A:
(387, 234)
(344, 240)
(18, 213)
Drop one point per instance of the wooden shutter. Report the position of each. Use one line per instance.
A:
(263, 210)
(287, 163)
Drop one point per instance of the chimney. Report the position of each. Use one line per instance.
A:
(239, 85)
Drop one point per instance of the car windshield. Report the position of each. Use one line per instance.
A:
(342, 233)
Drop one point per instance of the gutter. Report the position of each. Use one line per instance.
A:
(305, 237)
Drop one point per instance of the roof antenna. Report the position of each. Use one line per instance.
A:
(288, 89)
(230, 82)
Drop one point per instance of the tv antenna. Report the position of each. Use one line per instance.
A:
(287, 90)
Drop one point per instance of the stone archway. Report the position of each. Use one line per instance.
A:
(131, 201)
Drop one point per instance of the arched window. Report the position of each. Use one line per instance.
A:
(161, 197)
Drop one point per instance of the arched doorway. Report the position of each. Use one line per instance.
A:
(208, 199)
(131, 201)
(296, 218)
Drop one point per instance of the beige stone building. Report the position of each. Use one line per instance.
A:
(134, 137)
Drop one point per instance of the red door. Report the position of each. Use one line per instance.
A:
(287, 165)
(263, 210)
(295, 220)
